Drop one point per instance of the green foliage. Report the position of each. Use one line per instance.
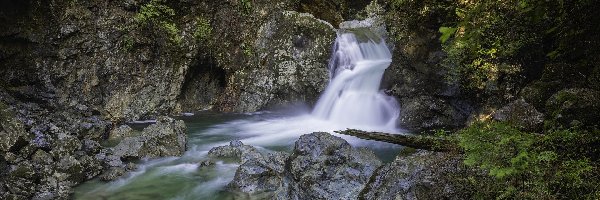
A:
(156, 13)
(447, 32)
(203, 29)
(496, 39)
(558, 164)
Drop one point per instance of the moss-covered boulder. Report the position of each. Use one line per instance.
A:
(574, 107)
(521, 115)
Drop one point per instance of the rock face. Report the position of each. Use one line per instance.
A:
(292, 51)
(321, 166)
(43, 155)
(416, 75)
(422, 175)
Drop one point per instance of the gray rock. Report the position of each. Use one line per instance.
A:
(165, 138)
(237, 150)
(422, 175)
(293, 50)
(321, 166)
(121, 132)
(521, 115)
(112, 174)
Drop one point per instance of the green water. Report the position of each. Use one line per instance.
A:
(183, 178)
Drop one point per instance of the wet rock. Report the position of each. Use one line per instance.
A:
(165, 138)
(422, 175)
(521, 115)
(293, 50)
(237, 150)
(112, 174)
(574, 107)
(321, 166)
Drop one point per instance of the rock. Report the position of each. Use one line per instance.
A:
(521, 115)
(321, 166)
(11, 130)
(112, 174)
(121, 132)
(538, 92)
(422, 175)
(260, 176)
(237, 150)
(165, 138)
(21, 179)
(427, 113)
(574, 107)
(293, 50)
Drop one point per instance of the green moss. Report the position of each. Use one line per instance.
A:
(203, 29)
(156, 14)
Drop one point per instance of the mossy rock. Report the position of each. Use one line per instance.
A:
(538, 92)
(575, 106)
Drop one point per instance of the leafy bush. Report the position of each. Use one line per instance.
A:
(492, 41)
(559, 164)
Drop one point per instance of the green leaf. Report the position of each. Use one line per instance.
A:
(447, 32)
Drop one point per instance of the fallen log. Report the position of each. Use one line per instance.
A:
(430, 143)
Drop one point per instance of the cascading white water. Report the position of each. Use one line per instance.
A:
(356, 68)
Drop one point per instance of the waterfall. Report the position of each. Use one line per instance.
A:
(356, 68)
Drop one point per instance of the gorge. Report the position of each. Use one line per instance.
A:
(244, 99)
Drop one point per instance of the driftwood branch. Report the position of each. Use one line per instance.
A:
(430, 143)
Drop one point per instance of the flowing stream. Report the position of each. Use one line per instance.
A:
(351, 100)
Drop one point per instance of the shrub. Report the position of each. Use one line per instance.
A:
(559, 164)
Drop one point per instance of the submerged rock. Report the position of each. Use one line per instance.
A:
(321, 166)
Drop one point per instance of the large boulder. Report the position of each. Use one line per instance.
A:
(259, 174)
(427, 112)
(321, 166)
(421, 175)
(575, 106)
(292, 50)
(520, 114)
